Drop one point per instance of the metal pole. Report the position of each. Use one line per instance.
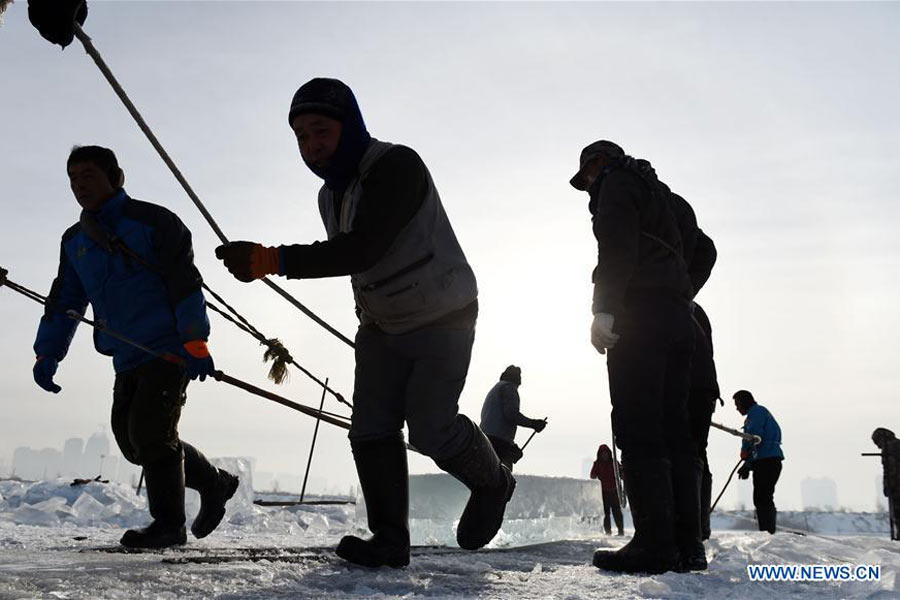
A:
(140, 482)
(616, 473)
(313, 446)
(529, 438)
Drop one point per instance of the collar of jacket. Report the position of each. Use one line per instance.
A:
(111, 210)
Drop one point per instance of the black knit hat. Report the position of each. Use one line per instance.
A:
(323, 96)
(590, 152)
(512, 374)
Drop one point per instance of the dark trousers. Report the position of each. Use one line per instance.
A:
(507, 452)
(649, 379)
(147, 402)
(415, 377)
(765, 475)
(894, 515)
(701, 407)
(611, 503)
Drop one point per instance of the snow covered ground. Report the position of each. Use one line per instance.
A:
(54, 540)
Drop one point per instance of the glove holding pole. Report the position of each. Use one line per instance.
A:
(538, 425)
(197, 361)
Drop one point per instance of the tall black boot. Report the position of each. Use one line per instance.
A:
(705, 502)
(652, 549)
(765, 516)
(384, 479)
(165, 495)
(491, 485)
(216, 487)
(686, 476)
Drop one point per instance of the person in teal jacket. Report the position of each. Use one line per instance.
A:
(133, 262)
(764, 460)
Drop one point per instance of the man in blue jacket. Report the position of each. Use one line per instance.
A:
(764, 460)
(134, 263)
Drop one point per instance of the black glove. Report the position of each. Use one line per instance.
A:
(55, 19)
(744, 472)
(3, 274)
(538, 424)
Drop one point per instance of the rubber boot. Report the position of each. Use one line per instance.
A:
(165, 496)
(766, 517)
(686, 476)
(491, 486)
(652, 549)
(216, 487)
(384, 479)
(705, 501)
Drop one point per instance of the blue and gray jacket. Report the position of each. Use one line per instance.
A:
(759, 421)
(158, 304)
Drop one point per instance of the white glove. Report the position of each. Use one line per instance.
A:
(602, 336)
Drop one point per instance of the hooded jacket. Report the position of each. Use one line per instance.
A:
(603, 469)
(386, 226)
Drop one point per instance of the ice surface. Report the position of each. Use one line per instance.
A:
(50, 534)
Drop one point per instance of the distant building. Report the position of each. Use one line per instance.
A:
(97, 446)
(73, 450)
(818, 493)
(32, 464)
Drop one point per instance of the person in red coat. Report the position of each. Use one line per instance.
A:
(604, 471)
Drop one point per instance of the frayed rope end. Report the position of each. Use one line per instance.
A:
(280, 357)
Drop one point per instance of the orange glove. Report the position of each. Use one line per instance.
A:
(248, 261)
(197, 361)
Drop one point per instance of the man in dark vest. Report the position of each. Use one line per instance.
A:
(641, 307)
(133, 262)
(763, 459)
(501, 417)
(416, 299)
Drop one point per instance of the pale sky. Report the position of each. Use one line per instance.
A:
(777, 121)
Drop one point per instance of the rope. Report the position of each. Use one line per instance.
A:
(338, 420)
(725, 487)
(120, 92)
(276, 350)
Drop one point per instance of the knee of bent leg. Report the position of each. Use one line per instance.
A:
(441, 441)
(149, 451)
